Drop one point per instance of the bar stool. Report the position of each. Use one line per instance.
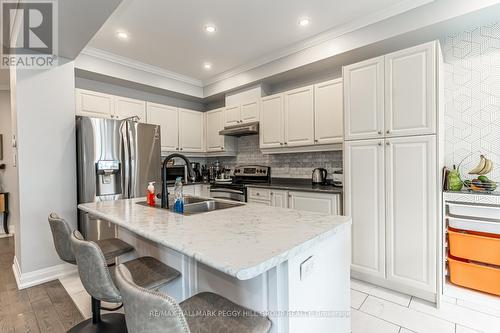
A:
(147, 311)
(61, 234)
(98, 280)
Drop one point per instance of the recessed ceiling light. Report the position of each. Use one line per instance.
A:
(304, 21)
(207, 66)
(210, 28)
(122, 35)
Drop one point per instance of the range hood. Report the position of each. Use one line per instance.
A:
(241, 130)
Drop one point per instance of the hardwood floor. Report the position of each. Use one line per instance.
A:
(46, 308)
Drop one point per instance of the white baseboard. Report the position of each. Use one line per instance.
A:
(30, 279)
(10, 234)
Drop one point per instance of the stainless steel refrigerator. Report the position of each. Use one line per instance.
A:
(115, 159)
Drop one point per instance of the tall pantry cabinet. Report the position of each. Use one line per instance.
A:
(392, 186)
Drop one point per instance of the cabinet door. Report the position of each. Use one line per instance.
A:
(271, 122)
(314, 202)
(128, 107)
(299, 117)
(191, 131)
(250, 112)
(232, 115)
(410, 91)
(279, 198)
(328, 112)
(364, 196)
(364, 99)
(411, 212)
(215, 123)
(94, 104)
(168, 119)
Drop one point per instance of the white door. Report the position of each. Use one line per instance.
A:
(168, 119)
(250, 112)
(364, 99)
(411, 212)
(94, 104)
(314, 202)
(364, 201)
(299, 116)
(272, 122)
(214, 123)
(232, 115)
(328, 112)
(279, 198)
(128, 107)
(410, 91)
(191, 131)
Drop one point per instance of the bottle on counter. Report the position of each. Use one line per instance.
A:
(179, 198)
(151, 198)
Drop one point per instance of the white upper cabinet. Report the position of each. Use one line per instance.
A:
(215, 123)
(191, 133)
(411, 211)
(328, 112)
(232, 115)
(410, 91)
(272, 132)
(94, 104)
(168, 119)
(299, 116)
(250, 112)
(364, 201)
(128, 107)
(246, 112)
(364, 99)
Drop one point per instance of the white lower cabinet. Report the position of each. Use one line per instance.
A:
(411, 211)
(314, 202)
(326, 203)
(391, 188)
(364, 201)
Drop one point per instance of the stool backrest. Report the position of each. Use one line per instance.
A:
(148, 311)
(93, 269)
(61, 234)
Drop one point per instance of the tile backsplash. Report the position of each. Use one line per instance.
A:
(472, 97)
(296, 165)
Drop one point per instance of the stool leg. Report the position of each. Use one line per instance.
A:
(96, 311)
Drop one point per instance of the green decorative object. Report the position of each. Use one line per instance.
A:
(454, 181)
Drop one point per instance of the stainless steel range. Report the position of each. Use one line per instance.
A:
(243, 175)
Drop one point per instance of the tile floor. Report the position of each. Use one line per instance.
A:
(378, 310)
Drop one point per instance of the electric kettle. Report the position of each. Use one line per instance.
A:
(319, 176)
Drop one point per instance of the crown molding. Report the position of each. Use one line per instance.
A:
(105, 55)
(336, 32)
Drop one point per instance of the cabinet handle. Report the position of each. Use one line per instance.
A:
(221, 148)
(257, 193)
(380, 132)
(387, 143)
(380, 143)
(271, 193)
(388, 131)
(286, 143)
(177, 148)
(180, 149)
(281, 143)
(316, 140)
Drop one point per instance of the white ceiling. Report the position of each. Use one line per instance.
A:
(170, 34)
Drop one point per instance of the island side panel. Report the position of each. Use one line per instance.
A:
(319, 281)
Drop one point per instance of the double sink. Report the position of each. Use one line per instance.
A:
(197, 205)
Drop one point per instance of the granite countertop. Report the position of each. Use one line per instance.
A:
(242, 242)
(292, 184)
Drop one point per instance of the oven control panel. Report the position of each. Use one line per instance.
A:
(251, 170)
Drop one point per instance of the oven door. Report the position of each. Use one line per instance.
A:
(228, 194)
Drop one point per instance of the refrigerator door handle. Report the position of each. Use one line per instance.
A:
(126, 159)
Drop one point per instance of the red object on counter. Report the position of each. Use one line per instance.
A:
(151, 199)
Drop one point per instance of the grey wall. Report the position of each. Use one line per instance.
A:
(113, 89)
(296, 165)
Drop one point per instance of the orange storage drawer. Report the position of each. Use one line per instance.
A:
(474, 276)
(475, 246)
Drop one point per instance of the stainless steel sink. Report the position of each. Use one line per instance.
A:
(198, 205)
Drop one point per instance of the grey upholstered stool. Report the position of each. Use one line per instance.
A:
(61, 234)
(98, 280)
(147, 311)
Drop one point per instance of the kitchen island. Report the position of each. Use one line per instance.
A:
(293, 265)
